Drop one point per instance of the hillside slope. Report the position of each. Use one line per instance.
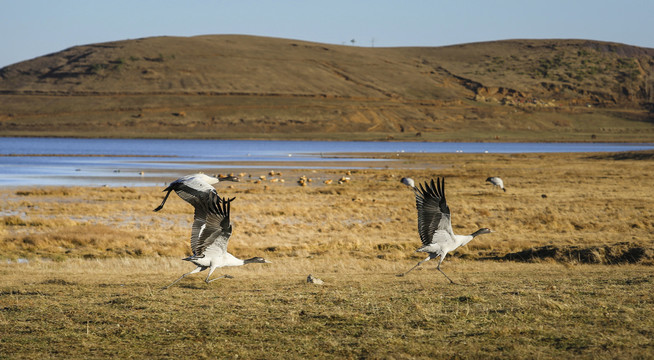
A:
(229, 86)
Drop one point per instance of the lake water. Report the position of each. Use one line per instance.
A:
(69, 161)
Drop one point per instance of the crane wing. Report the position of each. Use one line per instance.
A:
(193, 190)
(433, 212)
(211, 225)
(199, 225)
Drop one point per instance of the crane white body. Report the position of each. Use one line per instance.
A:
(408, 182)
(496, 181)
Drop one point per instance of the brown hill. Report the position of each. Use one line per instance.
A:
(256, 87)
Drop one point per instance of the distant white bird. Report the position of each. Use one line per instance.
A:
(193, 189)
(435, 226)
(408, 182)
(496, 182)
(210, 234)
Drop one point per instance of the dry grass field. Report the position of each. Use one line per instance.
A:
(567, 272)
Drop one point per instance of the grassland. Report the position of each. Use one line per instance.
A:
(97, 257)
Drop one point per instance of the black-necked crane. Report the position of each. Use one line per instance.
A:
(435, 224)
(408, 182)
(194, 188)
(212, 228)
(495, 181)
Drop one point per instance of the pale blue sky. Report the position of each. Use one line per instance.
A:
(31, 28)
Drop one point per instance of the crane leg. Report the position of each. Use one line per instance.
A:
(448, 278)
(439, 269)
(164, 201)
(418, 264)
(196, 270)
(220, 277)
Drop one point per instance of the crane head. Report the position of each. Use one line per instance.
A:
(482, 231)
(257, 259)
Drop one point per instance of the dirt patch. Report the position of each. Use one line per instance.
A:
(619, 253)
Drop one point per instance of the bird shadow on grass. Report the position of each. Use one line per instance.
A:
(57, 282)
(438, 281)
(618, 253)
(195, 286)
(626, 155)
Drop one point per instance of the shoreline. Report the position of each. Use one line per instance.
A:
(156, 173)
(339, 138)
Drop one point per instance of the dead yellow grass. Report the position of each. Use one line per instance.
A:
(101, 298)
(113, 308)
(559, 200)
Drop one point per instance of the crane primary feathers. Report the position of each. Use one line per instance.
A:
(496, 182)
(435, 225)
(193, 188)
(210, 234)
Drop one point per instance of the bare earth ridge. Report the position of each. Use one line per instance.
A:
(231, 86)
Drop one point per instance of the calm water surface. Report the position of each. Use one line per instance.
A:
(68, 161)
